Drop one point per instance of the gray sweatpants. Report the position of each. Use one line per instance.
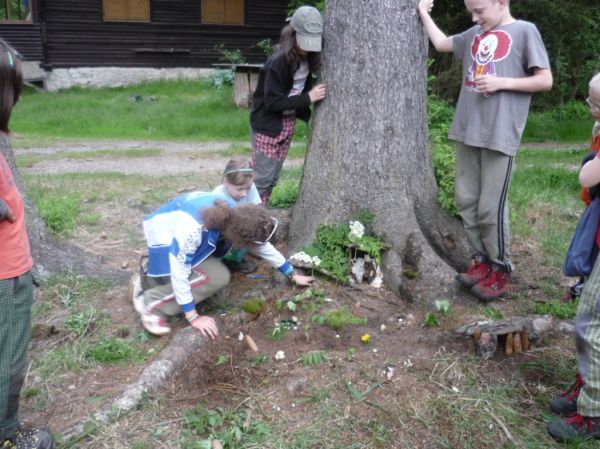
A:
(206, 279)
(482, 180)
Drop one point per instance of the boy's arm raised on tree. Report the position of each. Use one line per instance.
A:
(6, 212)
(541, 80)
(438, 38)
(589, 175)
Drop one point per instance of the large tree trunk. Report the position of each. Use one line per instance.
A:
(50, 254)
(368, 146)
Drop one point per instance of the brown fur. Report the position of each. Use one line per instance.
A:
(243, 225)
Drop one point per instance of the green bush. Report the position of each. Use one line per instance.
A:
(285, 194)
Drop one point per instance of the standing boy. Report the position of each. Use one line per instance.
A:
(503, 62)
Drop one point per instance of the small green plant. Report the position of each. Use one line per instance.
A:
(266, 46)
(350, 354)
(109, 350)
(493, 313)
(253, 306)
(221, 360)
(431, 320)
(292, 303)
(563, 311)
(222, 78)
(259, 360)
(339, 318)
(277, 333)
(231, 427)
(314, 358)
(443, 306)
(80, 322)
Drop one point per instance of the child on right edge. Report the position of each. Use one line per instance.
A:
(503, 62)
(581, 402)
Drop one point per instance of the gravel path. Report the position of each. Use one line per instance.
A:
(175, 157)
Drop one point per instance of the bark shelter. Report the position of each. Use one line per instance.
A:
(52, 255)
(369, 149)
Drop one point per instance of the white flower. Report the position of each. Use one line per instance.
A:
(241, 336)
(357, 230)
(407, 363)
(382, 327)
(316, 260)
(280, 355)
(301, 257)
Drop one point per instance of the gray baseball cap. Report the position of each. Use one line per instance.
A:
(308, 25)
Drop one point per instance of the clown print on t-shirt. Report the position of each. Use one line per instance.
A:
(487, 49)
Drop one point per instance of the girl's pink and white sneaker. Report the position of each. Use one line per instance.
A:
(155, 324)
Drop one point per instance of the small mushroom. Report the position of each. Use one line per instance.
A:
(250, 342)
(517, 343)
(525, 340)
(509, 345)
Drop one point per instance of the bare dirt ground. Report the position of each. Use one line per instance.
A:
(375, 394)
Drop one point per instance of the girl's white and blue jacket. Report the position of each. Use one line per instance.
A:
(178, 241)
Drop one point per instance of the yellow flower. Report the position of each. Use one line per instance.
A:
(365, 338)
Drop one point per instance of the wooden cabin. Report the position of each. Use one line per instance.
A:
(139, 33)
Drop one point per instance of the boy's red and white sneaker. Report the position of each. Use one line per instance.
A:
(493, 287)
(155, 324)
(565, 403)
(575, 428)
(478, 271)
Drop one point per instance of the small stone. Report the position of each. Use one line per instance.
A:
(280, 355)
(382, 327)
(240, 336)
(125, 265)
(71, 387)
(296, 386)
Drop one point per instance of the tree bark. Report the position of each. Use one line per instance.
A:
(368, 147)
(52, 255)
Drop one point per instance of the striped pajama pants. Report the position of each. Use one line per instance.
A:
(587, 340)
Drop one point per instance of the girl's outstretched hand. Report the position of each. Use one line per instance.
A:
(317, 93)
(207, 326)
(302, 281)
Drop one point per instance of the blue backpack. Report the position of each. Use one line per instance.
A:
(583, 250)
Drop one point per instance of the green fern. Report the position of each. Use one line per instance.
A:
(314, 358)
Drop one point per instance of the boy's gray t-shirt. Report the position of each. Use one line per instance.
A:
(495, 121)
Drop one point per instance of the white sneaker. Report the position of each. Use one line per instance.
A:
(155, 324)
(136, 294)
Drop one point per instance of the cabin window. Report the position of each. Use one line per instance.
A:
(15, 10)
(126, 10)
(224, 12)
